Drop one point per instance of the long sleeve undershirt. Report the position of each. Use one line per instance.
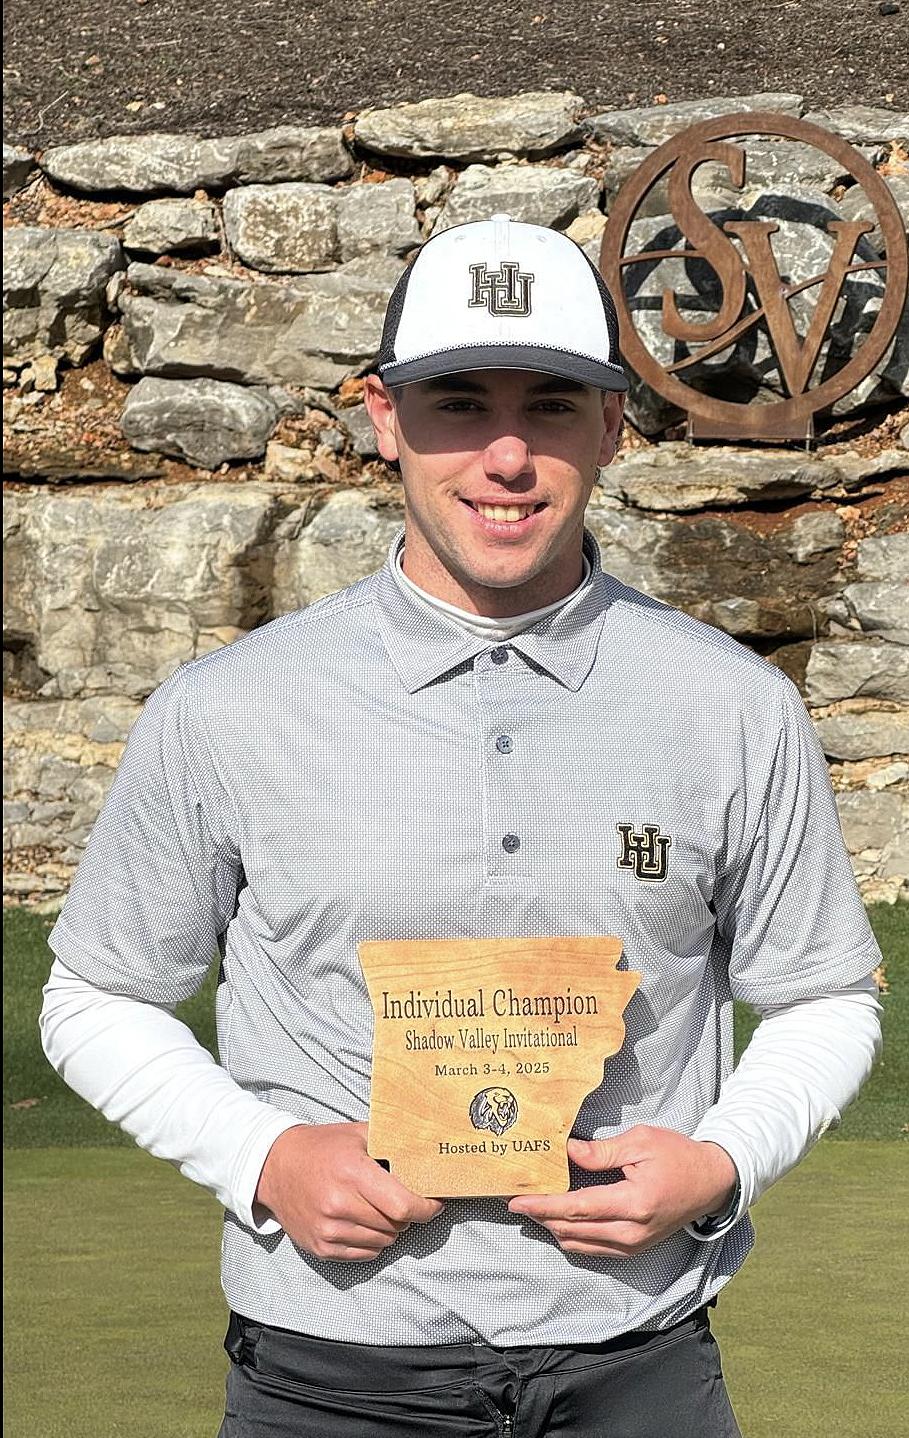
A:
(143, 1069)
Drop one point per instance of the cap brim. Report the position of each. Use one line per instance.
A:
(561, 363)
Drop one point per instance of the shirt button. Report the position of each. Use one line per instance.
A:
(511, 843)
(499, 656)
(504, 744)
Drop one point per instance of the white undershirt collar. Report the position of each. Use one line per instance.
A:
(495, 630)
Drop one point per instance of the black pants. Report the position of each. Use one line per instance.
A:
(642, 1385)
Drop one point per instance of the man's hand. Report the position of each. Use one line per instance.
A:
(669, 1180)
(331, 1198)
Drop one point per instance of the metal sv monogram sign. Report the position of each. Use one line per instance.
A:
(749, 288)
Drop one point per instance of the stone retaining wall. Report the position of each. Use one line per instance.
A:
(187, 454)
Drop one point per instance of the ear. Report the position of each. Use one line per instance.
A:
(613, 420)
(381, 410)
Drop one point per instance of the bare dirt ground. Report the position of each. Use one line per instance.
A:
(74, 69)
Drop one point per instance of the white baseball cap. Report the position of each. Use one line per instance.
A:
(499, 294)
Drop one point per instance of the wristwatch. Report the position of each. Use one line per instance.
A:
(713, 1222)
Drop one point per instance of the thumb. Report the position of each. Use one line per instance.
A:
(599, 1154)
(417, 1208)
(424, 1210)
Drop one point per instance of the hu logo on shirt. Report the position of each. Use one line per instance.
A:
(506, 292)
(647, 854)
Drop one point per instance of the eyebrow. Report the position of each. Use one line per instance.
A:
(454, 384)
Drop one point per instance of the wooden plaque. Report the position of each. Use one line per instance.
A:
(484, 1051)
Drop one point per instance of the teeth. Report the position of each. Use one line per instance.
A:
(510, 513)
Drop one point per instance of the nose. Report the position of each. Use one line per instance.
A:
(507, 458)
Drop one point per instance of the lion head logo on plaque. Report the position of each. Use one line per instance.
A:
(746, 299)
(494, 1108)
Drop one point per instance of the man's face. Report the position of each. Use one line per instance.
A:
(497, 468)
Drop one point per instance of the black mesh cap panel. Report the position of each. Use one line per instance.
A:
(393, 314)
(612, 319)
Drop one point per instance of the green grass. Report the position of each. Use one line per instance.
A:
(813, 1328)
(115, 1320)
(55, 1116)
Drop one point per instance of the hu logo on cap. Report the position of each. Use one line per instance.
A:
(507, 292)
(647, 854)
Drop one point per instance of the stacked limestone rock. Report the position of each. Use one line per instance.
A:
(236, 287)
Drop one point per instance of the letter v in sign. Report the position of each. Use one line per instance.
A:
(796, 357)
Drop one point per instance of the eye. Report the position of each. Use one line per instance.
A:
(459, 406)
(554, 406)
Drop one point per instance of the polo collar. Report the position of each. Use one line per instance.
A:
(423, 644)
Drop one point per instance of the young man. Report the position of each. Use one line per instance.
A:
(488, 738)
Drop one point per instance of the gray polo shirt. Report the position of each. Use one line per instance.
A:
(366, 769)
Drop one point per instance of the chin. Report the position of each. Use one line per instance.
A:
(500, 578)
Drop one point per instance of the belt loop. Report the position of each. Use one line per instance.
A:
(242, 1338)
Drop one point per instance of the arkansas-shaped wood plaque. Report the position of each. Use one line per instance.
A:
(484, 1050)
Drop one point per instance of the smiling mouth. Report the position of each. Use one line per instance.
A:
(504, 513)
